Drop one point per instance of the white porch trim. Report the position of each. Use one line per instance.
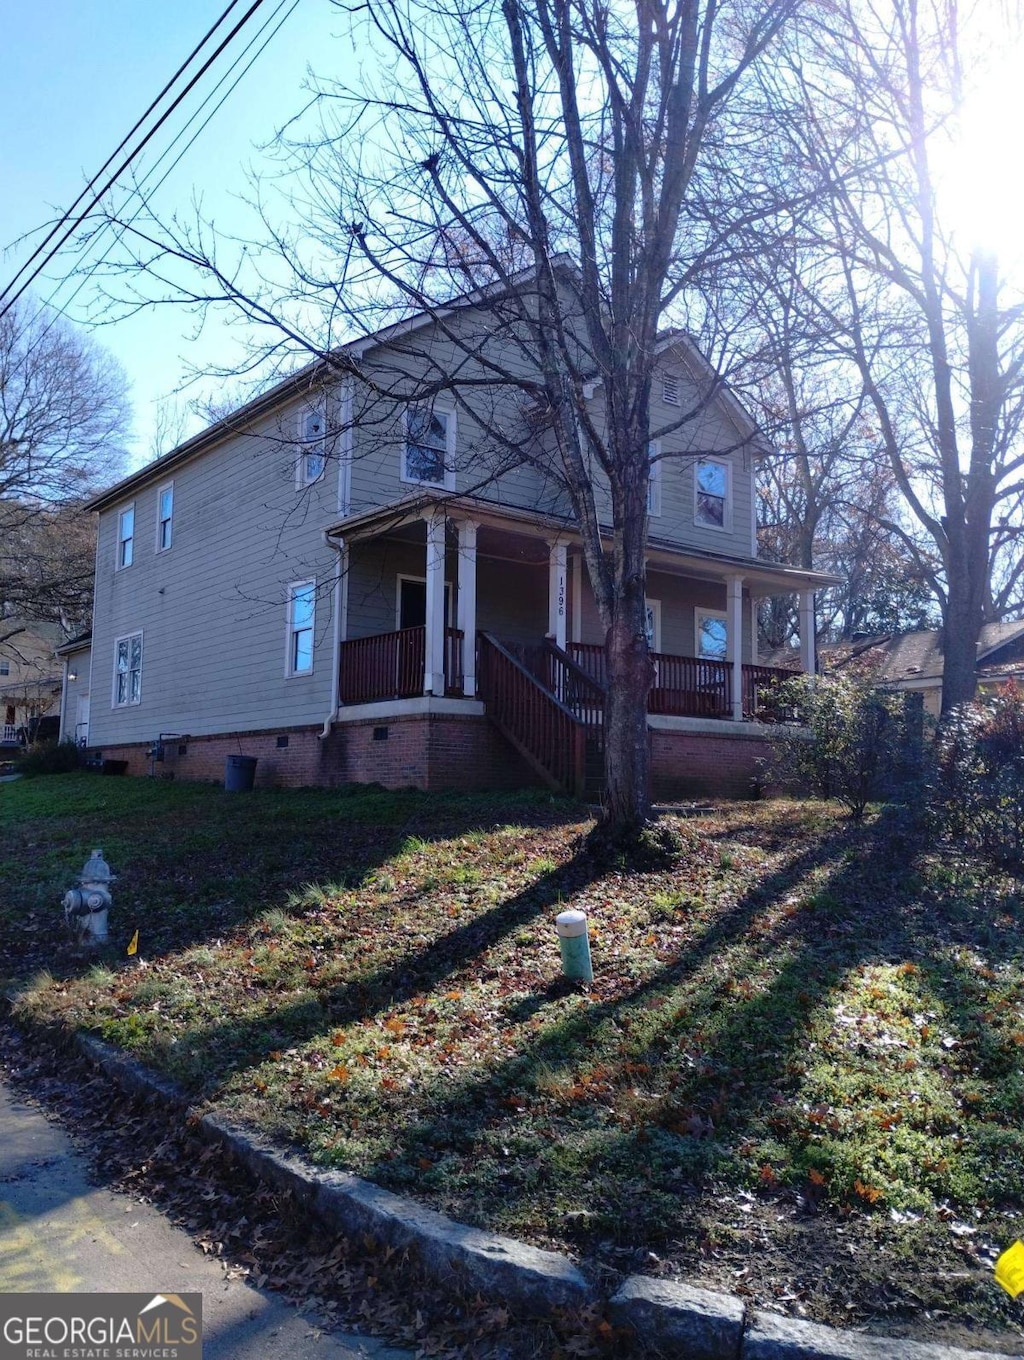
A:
(466, 607)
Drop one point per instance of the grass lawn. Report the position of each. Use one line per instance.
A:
(797, 1075)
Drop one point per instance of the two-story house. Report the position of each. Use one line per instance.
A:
(354, 584)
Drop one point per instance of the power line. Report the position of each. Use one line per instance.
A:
(77, 222)
(121, 228)
(120, 147)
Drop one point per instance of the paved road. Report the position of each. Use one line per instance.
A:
(60, 1233)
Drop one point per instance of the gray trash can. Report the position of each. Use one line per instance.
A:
(239, 773)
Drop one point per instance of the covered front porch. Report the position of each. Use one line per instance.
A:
(455, 577)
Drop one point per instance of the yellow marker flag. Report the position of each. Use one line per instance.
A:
(1010, 1269)
(133, 943)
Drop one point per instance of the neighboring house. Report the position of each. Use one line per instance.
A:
(30, 678)
(914, 661)
(332, 581)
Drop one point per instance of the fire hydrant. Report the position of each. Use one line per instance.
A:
(85, 908)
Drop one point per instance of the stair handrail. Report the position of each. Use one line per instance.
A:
(574, 666)
(525, 670)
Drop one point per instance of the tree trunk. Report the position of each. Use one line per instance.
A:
(630, 673)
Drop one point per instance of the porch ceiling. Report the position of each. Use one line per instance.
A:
(511, 526)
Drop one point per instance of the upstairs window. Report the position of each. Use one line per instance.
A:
(712, 509)
(301, 611)
(312, 434)
(128, 670)
(670, 390)
(164, 516)
(126, 537)
(5, 666)
(428, 434)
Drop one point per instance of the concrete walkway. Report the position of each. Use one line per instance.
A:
(61, 1234)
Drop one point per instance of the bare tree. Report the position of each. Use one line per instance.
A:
(537, 157)
(63, 423)
(933, 332)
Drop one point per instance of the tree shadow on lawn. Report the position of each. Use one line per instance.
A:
(195, 863)
(562, 1141)
(235, 1044)
(231, 1046)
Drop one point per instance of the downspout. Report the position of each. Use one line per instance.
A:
(340, 579)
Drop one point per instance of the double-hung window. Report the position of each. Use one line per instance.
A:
(164, 516)
(426, 453)
(712, 635)
(301, 611)
(126, 536)
(312, 436)
(712, 488)
(128, 670)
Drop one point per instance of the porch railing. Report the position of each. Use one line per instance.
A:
(10, 734)
(693, 687)
(539, 725)
(392, 665)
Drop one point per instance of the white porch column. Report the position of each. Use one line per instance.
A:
(807, 651)
(734, 638)
(557, 587)
(578, 568)
(755, 603)
(433, 668)
(467, 604)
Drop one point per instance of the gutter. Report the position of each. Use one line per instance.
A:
(340, 582)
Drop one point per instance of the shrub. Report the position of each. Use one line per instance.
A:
(857, 743)
(50, 757)
(977, 792)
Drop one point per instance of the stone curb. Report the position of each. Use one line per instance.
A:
(669, 1319)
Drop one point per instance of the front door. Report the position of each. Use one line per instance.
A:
(412, 602)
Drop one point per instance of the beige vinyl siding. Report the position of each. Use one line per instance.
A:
(680, 597)
(212, 607)
(512, 597)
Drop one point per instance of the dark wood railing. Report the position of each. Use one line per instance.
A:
(760, 694)
(690, 686)
(543, 729)
(391, 665)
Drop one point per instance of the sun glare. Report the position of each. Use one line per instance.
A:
(982, 184)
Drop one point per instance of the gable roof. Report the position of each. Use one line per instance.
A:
(345, 359)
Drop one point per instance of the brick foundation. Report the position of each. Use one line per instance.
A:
(436, 752)
(704, 765)
(441, 751)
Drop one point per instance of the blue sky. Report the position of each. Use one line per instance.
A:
(77, 74)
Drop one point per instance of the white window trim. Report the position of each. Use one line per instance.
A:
(700, 613)
(5, 666)
(448, 482)
(302, 478)
(449, 599)
(160, 547)
(118, 564)
(290, 630)
(127, 637)
(726, 526)
(654, 606)
(654, 479)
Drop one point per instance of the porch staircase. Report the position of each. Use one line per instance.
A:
(549, 709)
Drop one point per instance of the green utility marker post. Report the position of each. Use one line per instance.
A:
(571, 927)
